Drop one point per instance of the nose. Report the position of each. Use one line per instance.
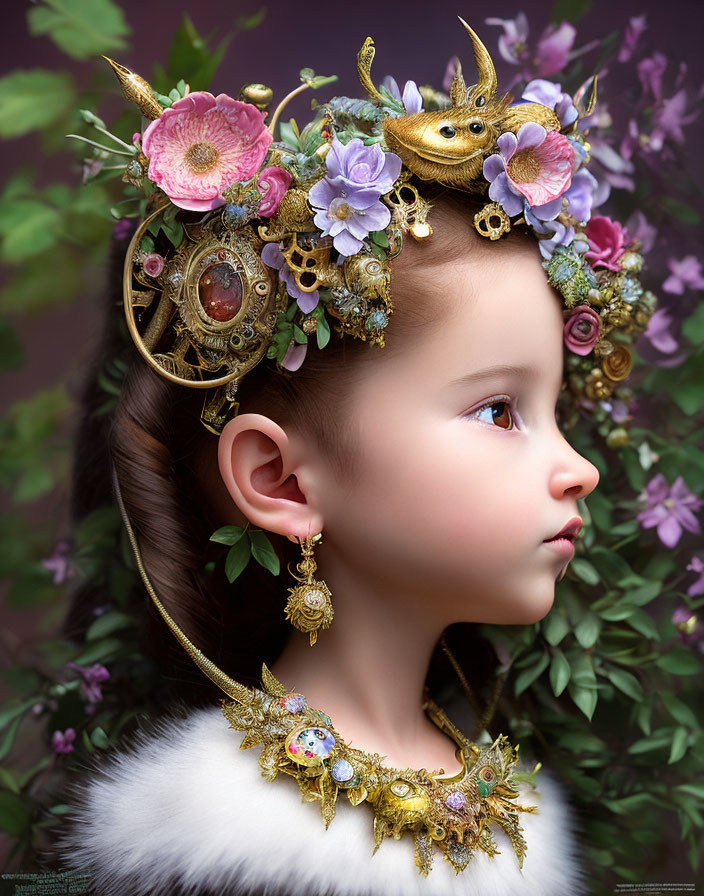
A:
(572, 473)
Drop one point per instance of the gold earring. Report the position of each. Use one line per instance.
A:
(309, 605)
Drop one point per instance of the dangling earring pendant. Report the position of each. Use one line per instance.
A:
(309, 605)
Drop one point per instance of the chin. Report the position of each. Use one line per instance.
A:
(535, 609)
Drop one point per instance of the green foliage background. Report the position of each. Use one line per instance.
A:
(604, 680)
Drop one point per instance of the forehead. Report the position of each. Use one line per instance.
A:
(493, 307)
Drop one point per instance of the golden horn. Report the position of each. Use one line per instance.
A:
(365, 57)
(136, 90)
(487, 72)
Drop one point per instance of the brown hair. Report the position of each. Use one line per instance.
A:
(159, 449)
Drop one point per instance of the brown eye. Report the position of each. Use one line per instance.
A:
(447, 131)
(487, 775)
(499, 413)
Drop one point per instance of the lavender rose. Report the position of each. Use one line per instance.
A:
(582, 329)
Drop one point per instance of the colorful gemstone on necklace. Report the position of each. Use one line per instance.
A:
(342, 771)
(455, 801)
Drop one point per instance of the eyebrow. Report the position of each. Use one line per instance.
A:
(497, 370)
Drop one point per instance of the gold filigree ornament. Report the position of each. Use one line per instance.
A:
(492, 221)
(309, 605)
(450, 813)
(216, 309)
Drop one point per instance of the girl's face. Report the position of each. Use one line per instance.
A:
(463, 472)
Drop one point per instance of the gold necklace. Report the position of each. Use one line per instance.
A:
(453, 812)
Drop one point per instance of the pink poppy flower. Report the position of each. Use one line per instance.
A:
(582, 329)
(272, 184)
(535, 165)
(202, 144)
(607, 243)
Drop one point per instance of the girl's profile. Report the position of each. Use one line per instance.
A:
(359, 355)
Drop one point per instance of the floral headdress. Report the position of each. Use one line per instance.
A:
(250, 245)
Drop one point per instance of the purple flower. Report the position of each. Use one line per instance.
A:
(274, 258)
(59, 562)
(556, 233)
(411, 99)
(295, 355)
(93, 676)
(62, 741)
(689, 628)
(617, 167)
(450, 72)
(639, 229)
(347, 200)
(687, 272)
(696, 565)
(123, 228)
(581, 194)
(553, 52)
(634, 29)
(670, 508)
(650, 72)
(513, 43)
(551, 95)
(658, 332)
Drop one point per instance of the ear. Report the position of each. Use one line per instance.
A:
(265, 473)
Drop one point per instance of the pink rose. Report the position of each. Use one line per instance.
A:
(272, 183)
(582, 329)
(606, 242)
(153, 264)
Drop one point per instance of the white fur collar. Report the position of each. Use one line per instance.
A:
(185, 807)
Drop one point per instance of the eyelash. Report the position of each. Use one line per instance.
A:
(494, 401)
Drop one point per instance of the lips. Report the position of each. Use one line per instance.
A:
(569, 531)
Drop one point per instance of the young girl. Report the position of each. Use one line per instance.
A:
(433, 465)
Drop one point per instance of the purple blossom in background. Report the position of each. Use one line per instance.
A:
(658, 332)
(553, 52)
(93, 676)
(274, 258)
(684, 273)
(60, 562)
(62, 741)
(616, 169)
(123, 228)
(450, 72)
(690, 629)
(639, 229)
(551, 95)
(696, 565)
(411, 99)
(347, 201)
(636, 26)
(670, 508)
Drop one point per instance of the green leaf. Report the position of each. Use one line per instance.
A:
(587, 631)
(679, 711)
(617, 613)
(322, 333)
(626, 682)
(555, 626)
(246, 23)
(109, 622)
(584, 698)
(693, 327)
(190, 59)
(33, 99)
(610, 564)
(380, 238)
(679, 745)
(560, 673)
(288, 136)
(299, 336)
(81, 28)
(237, 558)
(28, 227)
(99, 738)
(645, 593)
(101, 651)
(641, 622)
(263, 552)
(87, 743)
(12, 355)
(679, 661)
(584, 570)
(529, 675)
(228, 534)
(657, 741)
(9, 738)
(693, 788)
(681, 210)
(32, 484)
(630, 804)
(14, 815)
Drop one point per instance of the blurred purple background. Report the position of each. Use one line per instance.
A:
(412, 41)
